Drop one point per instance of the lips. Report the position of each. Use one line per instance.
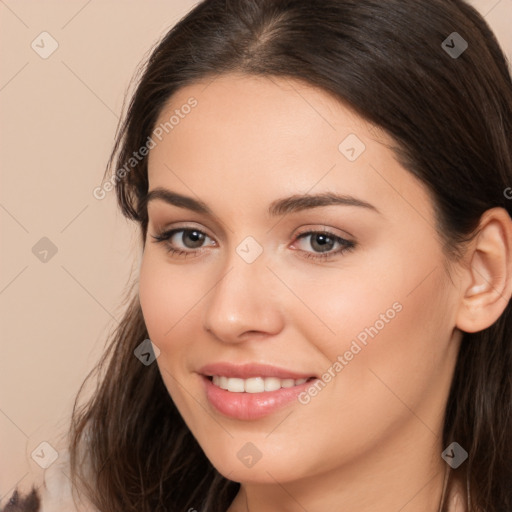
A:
(251, 391)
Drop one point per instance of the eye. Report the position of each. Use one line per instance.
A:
(189, 242)
(191, 239)
(322, 243)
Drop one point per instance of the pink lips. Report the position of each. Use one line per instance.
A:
(250, 406)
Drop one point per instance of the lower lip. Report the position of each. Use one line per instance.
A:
(251, 406)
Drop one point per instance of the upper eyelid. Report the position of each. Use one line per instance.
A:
(156, 225)
(186, 227)
(216, 223)
(191, 227)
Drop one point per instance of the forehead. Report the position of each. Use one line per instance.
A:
(278, 104)
(250, 137)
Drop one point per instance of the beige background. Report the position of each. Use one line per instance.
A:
(58, 119)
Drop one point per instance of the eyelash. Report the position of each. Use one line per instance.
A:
(347, 245)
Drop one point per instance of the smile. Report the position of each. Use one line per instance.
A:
(252, 398)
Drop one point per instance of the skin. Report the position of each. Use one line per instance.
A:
(371, 439)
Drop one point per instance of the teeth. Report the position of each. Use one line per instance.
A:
(237, 385)
(272, 383)
(254, 384)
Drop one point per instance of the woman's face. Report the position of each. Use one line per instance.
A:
(350, 292)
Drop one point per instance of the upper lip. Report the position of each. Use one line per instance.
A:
(245, 371)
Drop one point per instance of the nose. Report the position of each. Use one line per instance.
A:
(244, 303)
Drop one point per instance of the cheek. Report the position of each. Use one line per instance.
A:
(153, 296)
(391, 327)
(403, 363)
(357, 301)
(168, 297)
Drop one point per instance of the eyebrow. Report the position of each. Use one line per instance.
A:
(282, 206)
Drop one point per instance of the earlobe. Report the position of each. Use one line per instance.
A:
(488, 283)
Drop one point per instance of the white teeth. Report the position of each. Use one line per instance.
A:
(254, 384)
(272, 383)
(236, 385)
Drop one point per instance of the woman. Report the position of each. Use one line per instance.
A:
(323, 313)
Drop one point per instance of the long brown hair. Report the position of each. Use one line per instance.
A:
(451, 119)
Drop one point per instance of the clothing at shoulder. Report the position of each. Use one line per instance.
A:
(54, 495)
(31, 502)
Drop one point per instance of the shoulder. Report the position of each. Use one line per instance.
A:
(30, 502)
(54, 495)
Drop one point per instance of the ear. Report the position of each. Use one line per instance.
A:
(487, 281)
